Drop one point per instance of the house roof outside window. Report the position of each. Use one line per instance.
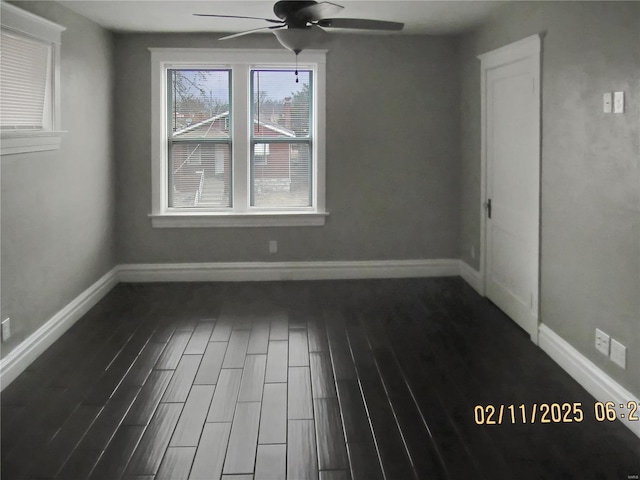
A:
(211, 128)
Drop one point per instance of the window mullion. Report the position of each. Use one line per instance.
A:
(240, 147)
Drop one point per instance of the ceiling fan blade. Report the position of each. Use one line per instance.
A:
(237, 16)
(247, 32)
(360, 24)
(313, 13)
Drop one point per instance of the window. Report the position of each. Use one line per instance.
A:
(199, 138)
(237, 138)
(29, 74)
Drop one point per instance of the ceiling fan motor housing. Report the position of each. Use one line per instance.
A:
(287, 10)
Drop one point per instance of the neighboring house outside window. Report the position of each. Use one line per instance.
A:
(30, 79)
(236, 140)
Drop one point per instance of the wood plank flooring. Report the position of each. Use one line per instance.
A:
(346, 380)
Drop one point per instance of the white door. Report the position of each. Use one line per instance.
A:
(512, 181)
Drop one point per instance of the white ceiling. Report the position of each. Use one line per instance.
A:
(419, 16)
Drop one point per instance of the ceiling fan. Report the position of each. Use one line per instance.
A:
(302, 23)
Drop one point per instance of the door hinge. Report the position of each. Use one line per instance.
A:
(489, 208)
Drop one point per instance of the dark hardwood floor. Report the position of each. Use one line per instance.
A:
(306, 380)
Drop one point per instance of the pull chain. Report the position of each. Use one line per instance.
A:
(296, 68)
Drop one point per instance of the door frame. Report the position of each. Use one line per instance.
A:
(525, 48)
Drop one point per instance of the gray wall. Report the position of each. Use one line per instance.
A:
(392, 157)
(590, 195)
(58, 207)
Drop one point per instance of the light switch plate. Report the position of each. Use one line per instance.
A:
(602, 342)
(606, 102)
(618, 102)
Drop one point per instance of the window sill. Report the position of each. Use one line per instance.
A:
(15, 142)
(179, 220)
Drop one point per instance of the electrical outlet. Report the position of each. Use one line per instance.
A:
(273, 246)
(602, 342)
(6, 329)
(618, 353)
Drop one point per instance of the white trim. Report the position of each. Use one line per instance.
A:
(24, 354)
(527, 47)
(279, 271)
(241, 61)
(26, 142)
(483, 181)
(203, 56)
(240, 146)
(205, 220)
(586, 373)
(27, 23)
(320, 127)
(472, 277)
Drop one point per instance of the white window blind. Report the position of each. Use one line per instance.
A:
(25, 70)
(199, 143)
(281, 163)
(29, 82)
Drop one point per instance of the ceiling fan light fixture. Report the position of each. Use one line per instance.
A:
(299, 39)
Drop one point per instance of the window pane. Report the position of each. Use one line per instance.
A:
(199, 103)
(280, 106)
(200, 175)
(23, 76)
(280, 175)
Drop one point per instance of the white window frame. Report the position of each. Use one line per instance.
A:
(26, 24)
(242, 214)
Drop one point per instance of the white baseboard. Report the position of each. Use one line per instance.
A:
(24, 354)
(472, 277)
(279, 271)
(587, 374)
